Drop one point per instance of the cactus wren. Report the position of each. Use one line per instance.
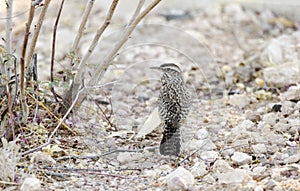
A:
(174, 102)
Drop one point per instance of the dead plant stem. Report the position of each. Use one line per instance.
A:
(81, 29)
(53, 48)
(37, 32)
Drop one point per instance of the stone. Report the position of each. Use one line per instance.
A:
(271, 184)
(205, 144)
(247, 124)
(202, 134)
(209, 179)
(259, 170)
(235, 176)
(292, 159)
(270, 118)
(236, 12)
(293, 93)
(180, 179)
(282, 75)
(287, 107)
(252, 116)
(259, 188)
(239, 100)
(199, 169)
(31, 184)
(222, 166)
(259, 148)
(226, 152)
(149, 173)
(209, 156)
(274, 51)
(126, 157)
(240, 158)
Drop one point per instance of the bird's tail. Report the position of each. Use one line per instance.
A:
(170, 143)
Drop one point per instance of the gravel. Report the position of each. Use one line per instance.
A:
(242, 132)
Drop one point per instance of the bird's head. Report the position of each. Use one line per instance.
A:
(171, 71)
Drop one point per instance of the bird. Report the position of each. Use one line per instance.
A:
(174, 102)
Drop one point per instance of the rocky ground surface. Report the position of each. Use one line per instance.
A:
(243, 129)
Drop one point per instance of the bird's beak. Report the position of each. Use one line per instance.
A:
(155, 67)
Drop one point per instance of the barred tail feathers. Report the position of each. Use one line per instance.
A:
(170, 143)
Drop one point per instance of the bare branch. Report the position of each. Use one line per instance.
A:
(22, 63)
(85, 16)
(109, 58)
(8, 38)
(98, 73)
(137, 11)
(37, 32)
(53, 48)
(99, 33)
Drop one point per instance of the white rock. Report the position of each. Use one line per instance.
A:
(209, 156)
(247, 124)
(227, 152)
(272, 149)
(41, 157)
(292, 159)
(125, 157)
(259, 188)
(199, 169)
(259, 148)
(271, 184)
(241, 158)
(276, 173)
(205, 144)
(31, 184)
(274, 52)
(236, 12)
(270, 118)
(201, 134)
(282, 75)
(222, 166)
(239, 100)
(282, 127)
(150, 173)
(235, 176)
(278, 188)
(287, 107)
(239, 132)
(180, 179)
(293, 93)
(209, 179)
(252, 116)
(259, 170)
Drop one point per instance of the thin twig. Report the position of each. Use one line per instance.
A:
(53, 48)
(8, 183)
(81, 29)
(56, 128)
(85, 170)
(107, 118)
(11, 121)
(37, 32)
(16, 81)
(104, 154)
(52, 114)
